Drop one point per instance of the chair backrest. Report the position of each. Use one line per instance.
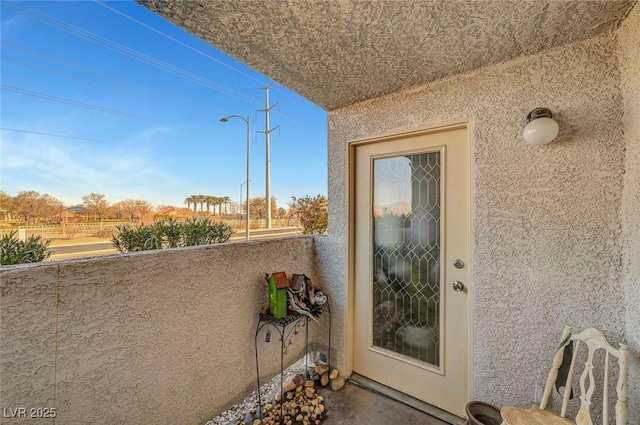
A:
(594, 340)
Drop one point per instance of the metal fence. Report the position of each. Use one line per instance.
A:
(107, 229)
(66, 231)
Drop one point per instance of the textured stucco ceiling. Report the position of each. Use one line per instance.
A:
(338, 52)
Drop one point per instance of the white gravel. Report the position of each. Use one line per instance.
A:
(244, 412)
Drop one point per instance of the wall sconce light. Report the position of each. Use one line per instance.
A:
(541, 128)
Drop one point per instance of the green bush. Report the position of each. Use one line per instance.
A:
(15, 251)
(170, 234)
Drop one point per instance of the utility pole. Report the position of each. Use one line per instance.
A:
(267, 132)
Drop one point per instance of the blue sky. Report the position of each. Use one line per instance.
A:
(135, 129)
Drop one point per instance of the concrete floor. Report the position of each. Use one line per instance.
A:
(356, 405)
(361, 401)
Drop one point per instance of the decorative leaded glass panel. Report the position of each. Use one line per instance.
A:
(406, 255)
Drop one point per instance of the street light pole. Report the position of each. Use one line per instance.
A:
(247, 120)
(240, 204)
(240, 201)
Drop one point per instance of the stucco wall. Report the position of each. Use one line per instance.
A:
(151, 338)
(629, 39)
(547, 229)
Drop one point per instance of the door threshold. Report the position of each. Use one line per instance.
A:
(377, 387)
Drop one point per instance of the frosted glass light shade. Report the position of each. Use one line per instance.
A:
(540, 131)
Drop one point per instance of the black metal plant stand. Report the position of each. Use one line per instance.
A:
(285, 328)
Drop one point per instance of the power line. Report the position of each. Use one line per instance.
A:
(110, 77)
(60, 61)
(127, 51)
(277, 87)
(179, 42)
(106, 76)
(104, 86)
(52, 135)
(73, 102)
(286, 117)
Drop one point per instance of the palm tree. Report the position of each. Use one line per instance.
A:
(216, 201)
(189, 200)
(202, 199)
(226, 201)
(194, 200)
(209, 200)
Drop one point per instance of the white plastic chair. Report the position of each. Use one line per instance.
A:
(595, 340)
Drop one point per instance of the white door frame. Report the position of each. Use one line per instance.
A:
(350, 178)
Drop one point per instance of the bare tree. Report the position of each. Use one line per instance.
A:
(27, 206)
(34, 207)
(124, 209)
(6, 205)
(96, 204)
(143, 208)
(116, 211)
(51, 209)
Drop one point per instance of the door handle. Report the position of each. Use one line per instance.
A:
(458, 286)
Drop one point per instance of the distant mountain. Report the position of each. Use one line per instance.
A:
(399, 208)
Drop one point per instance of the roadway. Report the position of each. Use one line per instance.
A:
(69, 249)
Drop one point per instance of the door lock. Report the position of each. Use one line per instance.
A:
(458, 286)
(458, 264)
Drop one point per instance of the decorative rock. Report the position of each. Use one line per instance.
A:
(324, 380)
(322, 369)
(334, 374)
(301, 394)
(292, 382)
(337, 384)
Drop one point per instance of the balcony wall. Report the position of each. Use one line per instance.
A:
(163, 337)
